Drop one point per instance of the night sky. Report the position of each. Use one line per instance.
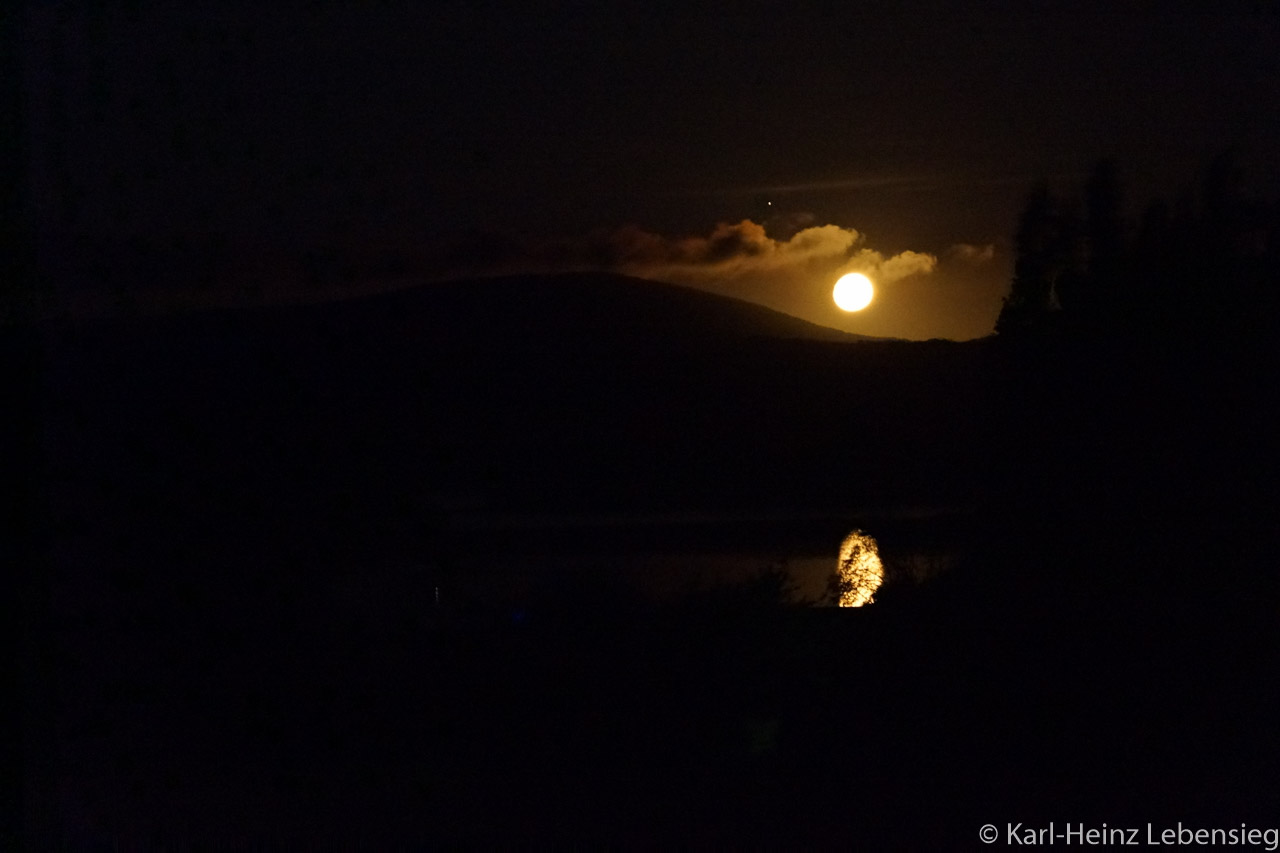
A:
(514, 556)
(694, 143)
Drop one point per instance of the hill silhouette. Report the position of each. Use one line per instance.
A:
(527, 389)
(608, 307)
(523, 309)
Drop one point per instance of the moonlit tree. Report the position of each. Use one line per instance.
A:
(859, 571)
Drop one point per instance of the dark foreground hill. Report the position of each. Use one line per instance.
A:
(223, 492)
(241, 648)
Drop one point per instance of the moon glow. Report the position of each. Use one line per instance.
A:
(853, 292)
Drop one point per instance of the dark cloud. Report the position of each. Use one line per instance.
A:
(972, 254)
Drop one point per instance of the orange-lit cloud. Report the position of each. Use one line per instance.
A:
(887, 270)
(731, 251)
(733, 255)
(744, 254)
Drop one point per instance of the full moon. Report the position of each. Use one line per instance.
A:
(853, 292)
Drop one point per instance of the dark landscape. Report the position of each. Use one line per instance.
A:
(407, 454)
(266, 621)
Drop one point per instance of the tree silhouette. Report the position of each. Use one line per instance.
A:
(1046, 263)
(1165, 335)
(1203, 268)
(1101, 294)
(1239, 233)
